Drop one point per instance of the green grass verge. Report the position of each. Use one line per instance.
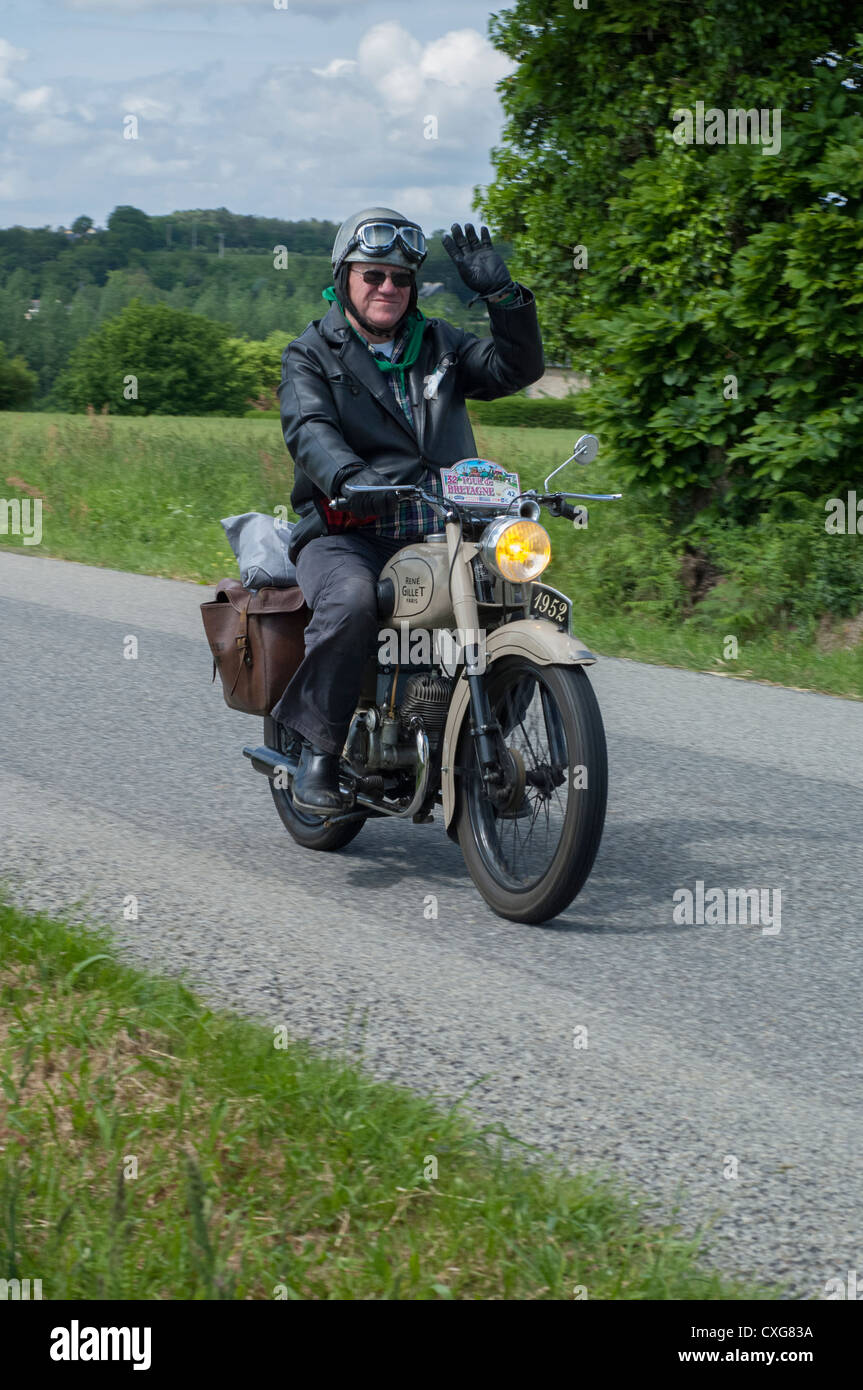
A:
(151, 1147)
(146, 495)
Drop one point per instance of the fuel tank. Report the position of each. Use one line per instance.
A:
(419, 576)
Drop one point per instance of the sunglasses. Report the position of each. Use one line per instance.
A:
(401, 278)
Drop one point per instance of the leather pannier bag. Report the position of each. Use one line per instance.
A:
(257, 641)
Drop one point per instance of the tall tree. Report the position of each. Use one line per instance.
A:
(129, 229)
(711, 288)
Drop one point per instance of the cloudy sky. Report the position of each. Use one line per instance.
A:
(310, 110)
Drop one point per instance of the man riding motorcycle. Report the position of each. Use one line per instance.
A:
(373, 395)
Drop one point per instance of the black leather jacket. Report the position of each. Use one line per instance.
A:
(339, 410)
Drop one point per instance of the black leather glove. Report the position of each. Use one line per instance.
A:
(364, 504)
(475, 259)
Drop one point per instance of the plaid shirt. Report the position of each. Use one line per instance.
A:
(410, 518)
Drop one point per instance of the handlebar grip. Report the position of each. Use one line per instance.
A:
(571, 512)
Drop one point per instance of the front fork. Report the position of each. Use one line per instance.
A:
(492, 754)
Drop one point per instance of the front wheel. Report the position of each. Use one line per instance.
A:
(308, 830)
(530, 858)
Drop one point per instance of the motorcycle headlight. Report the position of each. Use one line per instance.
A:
(516, 548)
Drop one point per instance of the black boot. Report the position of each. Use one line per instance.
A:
(316, 783)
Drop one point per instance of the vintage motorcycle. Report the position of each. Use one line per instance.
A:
(478, 701)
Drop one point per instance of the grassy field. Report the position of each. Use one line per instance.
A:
(151, 1148)
(147, 494)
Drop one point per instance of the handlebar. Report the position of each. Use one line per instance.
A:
(555, 501)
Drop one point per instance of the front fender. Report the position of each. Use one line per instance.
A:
(533, 638)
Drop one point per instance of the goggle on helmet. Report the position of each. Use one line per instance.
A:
(375, 239)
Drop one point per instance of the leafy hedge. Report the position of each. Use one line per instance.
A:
(509, 412)
(515, 411)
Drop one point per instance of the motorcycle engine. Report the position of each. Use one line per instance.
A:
(427, 696)
(378, 741)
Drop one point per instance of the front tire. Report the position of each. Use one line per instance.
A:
(308, 830)
(532, 859)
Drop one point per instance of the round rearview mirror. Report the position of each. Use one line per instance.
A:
(586, 448)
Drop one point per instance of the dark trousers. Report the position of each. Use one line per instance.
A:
(338, 576)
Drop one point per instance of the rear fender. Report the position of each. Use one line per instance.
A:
(533, 638)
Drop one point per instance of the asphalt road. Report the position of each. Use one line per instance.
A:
(711, 1049)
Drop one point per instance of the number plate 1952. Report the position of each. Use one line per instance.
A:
(552, 605)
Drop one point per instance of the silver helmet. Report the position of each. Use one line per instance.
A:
(379, 234)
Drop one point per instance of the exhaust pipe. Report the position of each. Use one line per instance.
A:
(268, 761)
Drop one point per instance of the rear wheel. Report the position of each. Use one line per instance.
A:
(530, 858)
(308, 830)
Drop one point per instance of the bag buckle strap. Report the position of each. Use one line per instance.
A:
(242, 641)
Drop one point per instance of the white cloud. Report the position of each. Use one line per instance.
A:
(8, 57)
(425, 203)
(324, 8)
(291, 139)
(35, 100)
(453, 73)
(337, 68)
(8, 54)
(464, 58)
(135, 6)
(55, 133)
(140, 164)
(384, 47)
(146, 107)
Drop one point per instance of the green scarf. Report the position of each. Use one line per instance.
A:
(418, 323)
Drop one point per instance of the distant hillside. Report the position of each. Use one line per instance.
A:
(57, 285)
